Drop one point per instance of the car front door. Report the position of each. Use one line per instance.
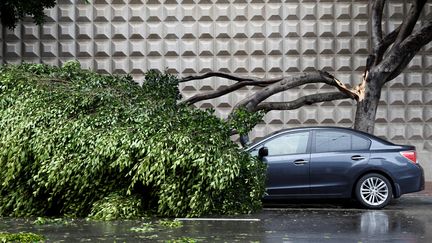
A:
(287, 164)
(335, 156)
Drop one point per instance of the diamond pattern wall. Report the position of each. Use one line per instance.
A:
(264, 38)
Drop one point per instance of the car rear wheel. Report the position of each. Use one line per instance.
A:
(373, 191)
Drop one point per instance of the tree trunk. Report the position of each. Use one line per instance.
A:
(367, 107)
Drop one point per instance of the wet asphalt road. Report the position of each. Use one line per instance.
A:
(408, 219)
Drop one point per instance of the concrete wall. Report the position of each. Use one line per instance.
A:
(261, 38)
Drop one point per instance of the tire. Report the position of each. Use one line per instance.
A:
(373, 191)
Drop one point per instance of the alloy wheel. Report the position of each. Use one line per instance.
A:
(374, 191)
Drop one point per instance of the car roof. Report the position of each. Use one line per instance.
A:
(308, 128)
(314, 128)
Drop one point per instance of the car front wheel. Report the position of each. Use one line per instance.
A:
(373, 191)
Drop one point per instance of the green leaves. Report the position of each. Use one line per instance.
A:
(21, 237)
(171, 223)
(243, 121)
(12, 11)
(82, 144)
(117, 206)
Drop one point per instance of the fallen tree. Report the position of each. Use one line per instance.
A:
(73, 142)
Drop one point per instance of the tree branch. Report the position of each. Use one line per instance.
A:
(400, 33)
(252, 101)
(226, 90)
(273, 86)
(377, 11)
(226, 76)
(302, 101)
(402, 54)
(410, 21)
(289, 82)
(385, 43)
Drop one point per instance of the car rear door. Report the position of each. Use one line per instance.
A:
(288, 163)
(336, 156)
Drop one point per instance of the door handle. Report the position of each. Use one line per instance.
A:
(300, 162)
(357, 157)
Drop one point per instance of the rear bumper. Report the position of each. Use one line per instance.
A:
(414, 183)
(422, 186)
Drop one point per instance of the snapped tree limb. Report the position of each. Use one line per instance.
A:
(252, 101)
(302, 101)
(271, 87)
(226, 76)
(227, 90)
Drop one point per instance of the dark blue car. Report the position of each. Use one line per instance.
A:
(332, 162)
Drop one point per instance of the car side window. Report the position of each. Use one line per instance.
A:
(334, 141)
(293, 143)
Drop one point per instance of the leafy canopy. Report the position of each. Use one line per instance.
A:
(76, 143)
(13, 11)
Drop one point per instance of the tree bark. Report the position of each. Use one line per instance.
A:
(367, 107)
(302, 101)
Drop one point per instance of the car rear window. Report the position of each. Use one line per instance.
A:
(359, 143)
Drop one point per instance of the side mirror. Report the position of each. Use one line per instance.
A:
(263, 152)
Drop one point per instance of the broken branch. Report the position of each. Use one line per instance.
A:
(226, 76)
(251, 102)
(226, 90)
(302, 101)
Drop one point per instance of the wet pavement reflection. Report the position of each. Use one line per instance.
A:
(405, 220)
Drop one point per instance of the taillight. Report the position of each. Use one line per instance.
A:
(410, 155)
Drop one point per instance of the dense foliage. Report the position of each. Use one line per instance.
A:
(21, 237)
(12, 11)
(243, 121)
(73, 142)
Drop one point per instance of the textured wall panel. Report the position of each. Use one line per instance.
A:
(261, 38)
